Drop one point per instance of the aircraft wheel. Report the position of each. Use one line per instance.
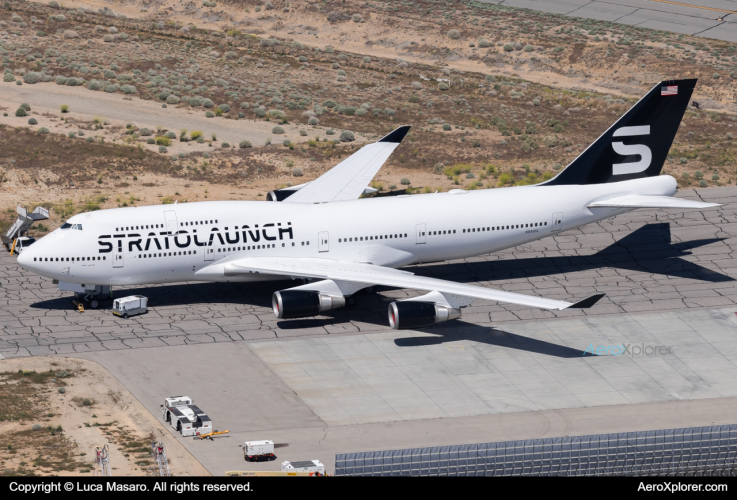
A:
(94, 304)
(350, 301)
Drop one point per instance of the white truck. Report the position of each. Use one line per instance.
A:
(255, 451)
(186, 417)
(314, 467)
(130, 306)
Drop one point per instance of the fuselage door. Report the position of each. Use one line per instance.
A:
(557, 222)
(420, 234)
(323, 244)
(118, 247)
(209, 252)
(171, 222)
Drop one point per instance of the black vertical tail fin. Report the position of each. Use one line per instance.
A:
(637, 144)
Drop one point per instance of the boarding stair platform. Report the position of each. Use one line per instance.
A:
(20, 226)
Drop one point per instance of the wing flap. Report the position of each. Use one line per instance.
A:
(370, 275)
(642, 201)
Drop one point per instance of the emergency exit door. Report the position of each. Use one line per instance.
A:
(420, 234)
(557, 222)
(118, 249)
(172, 226)
(323, 243)
(209, 252)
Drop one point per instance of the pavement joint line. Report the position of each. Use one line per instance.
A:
(694, 6)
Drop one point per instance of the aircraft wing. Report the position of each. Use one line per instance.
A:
(348, 179)
(369, 275)
(641, 201)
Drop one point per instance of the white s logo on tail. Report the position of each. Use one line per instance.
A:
(632, 149)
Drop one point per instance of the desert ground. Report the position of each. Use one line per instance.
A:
(56, 410)
(183, 101)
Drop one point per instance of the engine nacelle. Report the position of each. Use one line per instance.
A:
(409, 314)
(279, 194)
(303, 303)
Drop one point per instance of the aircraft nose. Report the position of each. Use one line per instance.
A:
(25, 258)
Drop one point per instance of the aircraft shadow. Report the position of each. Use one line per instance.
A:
(496, 337)
(648, 249)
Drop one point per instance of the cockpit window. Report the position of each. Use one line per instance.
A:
(66, 225)
(78, 227)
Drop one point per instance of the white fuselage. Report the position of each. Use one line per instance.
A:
(139, 245)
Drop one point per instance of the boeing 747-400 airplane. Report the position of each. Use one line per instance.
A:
(323, 233)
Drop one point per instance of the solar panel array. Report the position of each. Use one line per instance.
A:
(689, 451)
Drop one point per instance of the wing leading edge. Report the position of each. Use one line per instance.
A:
(369, 274)
(642, 201)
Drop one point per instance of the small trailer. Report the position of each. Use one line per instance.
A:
(130, 306)
(185, 417)
(314, 467)
(255, 451)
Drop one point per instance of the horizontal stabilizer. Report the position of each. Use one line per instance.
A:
(588, 302)
(641, 201)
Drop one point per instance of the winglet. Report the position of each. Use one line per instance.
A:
(396, 135)
(588, 302)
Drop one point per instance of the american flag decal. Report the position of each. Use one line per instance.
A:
(670, 90)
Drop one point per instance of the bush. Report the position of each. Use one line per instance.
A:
(330, 131)
(209, 114)
(150, 140)
(94, 85)
(405, 182)
(61, 390)
(144, 132)
(90, 139)
(454, 34)
(224, 107)
(32, 121)
(297, 172)
(64, 108)
(329, 103)
(244, 144)
(508, 47)
(110, 89)
(357, 18)
(208, 103)
(195, 134)
(32, 77)
(8, 77)
(36, 427)
(260, 111)
(699, 174)
(128, 89)
(442, 86)
(224, 145)
(163, 140)
(277, 130)
(60, 80)
(162, 149)
(528, 48)
(313, 121)
(172, 99)
(447, 127)
(702, 183)
(303, 132)
(347, 136)
(21, 112)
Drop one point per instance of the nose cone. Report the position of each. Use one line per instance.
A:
(25, 259)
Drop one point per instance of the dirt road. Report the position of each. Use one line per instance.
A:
(118, 109)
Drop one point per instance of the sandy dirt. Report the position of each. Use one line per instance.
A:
(120, 110)
(113, 403)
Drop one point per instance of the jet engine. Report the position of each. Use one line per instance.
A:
(409, 314)
(303, 303)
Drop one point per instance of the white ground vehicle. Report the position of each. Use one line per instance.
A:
(185, 417)
(255, 451)
(130, 306)
(305, 466)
